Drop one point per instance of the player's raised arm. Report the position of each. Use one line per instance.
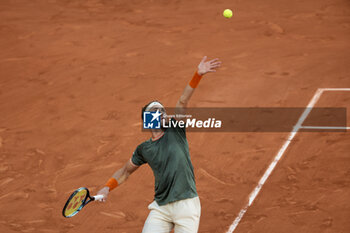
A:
(118, 178)
(203, 68)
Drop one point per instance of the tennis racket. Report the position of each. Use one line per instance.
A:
(77, 200)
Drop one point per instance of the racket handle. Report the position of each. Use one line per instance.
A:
(98, 197)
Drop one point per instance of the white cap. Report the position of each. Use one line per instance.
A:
(154, 103)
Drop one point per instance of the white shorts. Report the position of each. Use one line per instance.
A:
(182, 215)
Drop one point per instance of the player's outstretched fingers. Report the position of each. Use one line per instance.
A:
(214, 60)
(216, 64)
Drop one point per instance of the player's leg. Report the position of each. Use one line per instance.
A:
(187, 215)
(158, 220)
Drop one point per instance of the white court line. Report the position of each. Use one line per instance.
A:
(335, 89)
(323, 127)
(280, 153)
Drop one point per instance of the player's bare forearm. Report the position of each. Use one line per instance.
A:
(204, 67)
(122, 174)
(184, 99)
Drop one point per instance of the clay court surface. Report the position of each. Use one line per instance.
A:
(75, 74)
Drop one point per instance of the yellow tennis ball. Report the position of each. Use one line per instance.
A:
(227, 13)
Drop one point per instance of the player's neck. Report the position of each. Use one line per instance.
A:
(156, 134)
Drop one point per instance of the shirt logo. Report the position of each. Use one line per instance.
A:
(151, 120)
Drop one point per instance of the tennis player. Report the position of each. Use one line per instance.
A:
(176, 203)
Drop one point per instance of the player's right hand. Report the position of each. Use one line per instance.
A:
(104, 191)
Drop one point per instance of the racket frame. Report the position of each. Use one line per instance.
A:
(84, 203)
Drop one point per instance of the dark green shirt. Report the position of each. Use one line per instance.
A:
(170, 161)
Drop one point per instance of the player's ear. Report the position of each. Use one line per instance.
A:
(143, 110)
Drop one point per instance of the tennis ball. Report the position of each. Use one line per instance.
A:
(227, 13)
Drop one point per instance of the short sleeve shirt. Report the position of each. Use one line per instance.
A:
(171, 164)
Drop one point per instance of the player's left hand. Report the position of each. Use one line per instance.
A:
(208, 66)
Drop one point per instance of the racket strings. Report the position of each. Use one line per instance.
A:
(75, 203)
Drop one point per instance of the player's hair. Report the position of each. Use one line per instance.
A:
(144, 107)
